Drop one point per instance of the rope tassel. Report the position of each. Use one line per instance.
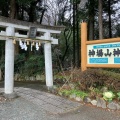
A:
(39, 43)
(28, 43)
(14, 41)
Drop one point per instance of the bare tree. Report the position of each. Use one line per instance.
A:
(56, 11)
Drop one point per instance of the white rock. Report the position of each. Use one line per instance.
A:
(94, 102)
(16, 77)
(32, 78)
(113, 106)
(73, 96)
(27, 78)
(87, 99)
(38, 77)
(101, 103)
(42, 77)
(78, 99)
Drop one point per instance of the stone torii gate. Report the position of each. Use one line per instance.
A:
(11, 27)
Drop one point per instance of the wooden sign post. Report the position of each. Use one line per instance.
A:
(83, 46)
(103, 53)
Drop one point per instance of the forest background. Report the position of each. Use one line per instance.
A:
(103, 18)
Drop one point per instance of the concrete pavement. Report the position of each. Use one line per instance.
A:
(51, 103)
(34, 104)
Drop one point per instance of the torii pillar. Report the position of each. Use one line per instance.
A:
(9, 64)
(48, 62)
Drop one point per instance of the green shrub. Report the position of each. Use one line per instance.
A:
(19, 62)
(34, 65)
(118, 95)
(26, 66)
(108, 96)
(65, 92)
(77, 93)
(2, 63)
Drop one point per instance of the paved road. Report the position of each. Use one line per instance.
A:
(39, 105)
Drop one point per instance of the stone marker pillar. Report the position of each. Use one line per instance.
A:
(9, 62)
(48, 62)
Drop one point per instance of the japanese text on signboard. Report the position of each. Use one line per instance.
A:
(104, 53)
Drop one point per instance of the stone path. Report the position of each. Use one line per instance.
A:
(39, 105)
(51, 103)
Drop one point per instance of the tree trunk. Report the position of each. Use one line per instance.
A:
(32, 11)
(91, 21)
(78, 39)
(109, 14)
(22, 13)
(74, 24)
(12, 8)
(100, 20)
(5, 9)
(17, 11)
(13, 15)
(91, 29)
(41, 18)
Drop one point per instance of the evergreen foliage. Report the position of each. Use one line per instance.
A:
(68, 13)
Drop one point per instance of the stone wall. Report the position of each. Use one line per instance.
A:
(19, 77)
